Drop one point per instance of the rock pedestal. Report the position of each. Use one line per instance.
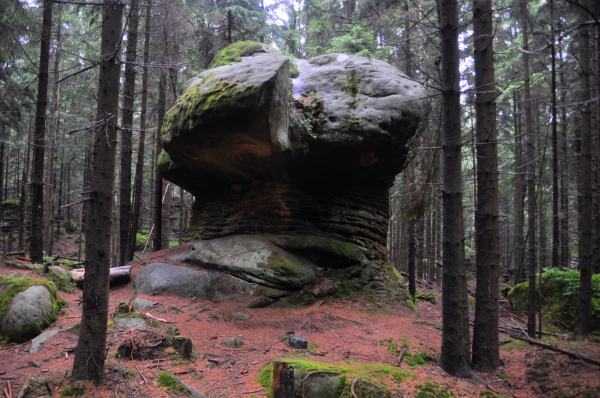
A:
(302, 165)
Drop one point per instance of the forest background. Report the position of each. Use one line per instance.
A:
(547, 85)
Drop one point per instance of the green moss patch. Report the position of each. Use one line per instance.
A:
(376, 373)
(199, 98)
(234, 53)
(11, 285)
(321, 251)
(559, 298)
(351, 88)
(165, 163)
(280, 265)
(166, 379)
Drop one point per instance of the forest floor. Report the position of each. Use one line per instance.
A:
(343, 331)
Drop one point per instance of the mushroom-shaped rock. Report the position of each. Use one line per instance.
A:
(305, 162)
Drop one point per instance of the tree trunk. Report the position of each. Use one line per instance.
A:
(139, 165)
(584, 308)
(37, 184)
(91, 346)
(519, 245)
(157, 243)
(555, 218)
(412, 244)
(127, 131)
(565, 252)
(454, 357)
(531, 205)
(486, 354)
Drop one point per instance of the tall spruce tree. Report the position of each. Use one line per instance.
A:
(91, 346)
(454, 357)
(486, 354)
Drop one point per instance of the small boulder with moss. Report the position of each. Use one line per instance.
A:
(27, 306)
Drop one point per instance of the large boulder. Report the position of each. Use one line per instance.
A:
(177, 280)
(27, 306)
(306, 163)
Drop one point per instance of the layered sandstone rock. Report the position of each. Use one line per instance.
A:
(301, 166)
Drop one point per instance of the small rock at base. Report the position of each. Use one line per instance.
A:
(240, 315)
(298, 341)
(233, 342)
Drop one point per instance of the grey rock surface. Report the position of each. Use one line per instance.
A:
(130, 323)
(234, 342)
(139, 304)
(27, 313)
(177, 280)
(353, 88)
(297, 341)
(253, 259)
(170, 279)
(41, 339)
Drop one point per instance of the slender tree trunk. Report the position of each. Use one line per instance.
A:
(412, 244)
(139, 166)
(23, 199)
(37, 185)
(2, 156)
(486, 354)
(158, 191)
(181, 216)
(91, 346)
(519, 193)
(584, 308)
(531, 205)
(565, 252)
(454, 357)
(162, 104)
(127, 131)
(555, 196)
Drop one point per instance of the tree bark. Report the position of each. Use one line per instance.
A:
(519, 246)
(555, 195)
(454, 357)
(584, 308)
(37, 184)
(486, 354)
(531, 205)
(91, 346)
(139, 165)
(127, 131)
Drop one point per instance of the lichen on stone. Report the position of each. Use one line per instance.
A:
(234, 53)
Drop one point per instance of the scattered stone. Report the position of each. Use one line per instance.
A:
(260, 302)
(57, 270)
(41, 339)
(130, 323)
(240, 315)
(139, 304)
(234, 342)
(297, 341)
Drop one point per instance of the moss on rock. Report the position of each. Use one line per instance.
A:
(379, 374)
(234, 53)
(559, 297)
(10, 286)
(196, 100)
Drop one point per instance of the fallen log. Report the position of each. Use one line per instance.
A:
(117, 275)
(572, 354)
